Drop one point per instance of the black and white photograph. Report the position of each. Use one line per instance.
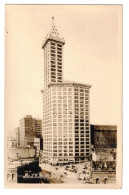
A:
(63, 96)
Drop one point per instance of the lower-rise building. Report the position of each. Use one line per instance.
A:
(104, 152)
(17, 136)
(11, 142)
(38, 143)
(29, 129)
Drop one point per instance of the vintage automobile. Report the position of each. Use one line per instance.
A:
(82, 177)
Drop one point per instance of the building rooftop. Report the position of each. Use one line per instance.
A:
(30, 116)
(104, 127)
(70, 83)
(53, 34)
(17, 163)
(11, 138)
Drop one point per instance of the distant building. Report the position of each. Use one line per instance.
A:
(103, 177)
(19, 153)
(38, 143)
(25, 171)
(104, 142)
(38, 128)
(104, 136)
(12, 173)
(104, 150)
(41, 143)
(29, 172)
(30, 128)
(11, 142)
(66, 127)
(17, 136)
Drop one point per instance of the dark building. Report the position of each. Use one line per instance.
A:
(26, 171)
(29, 172)
(17, 136)
(104, 150)
(104, 136)
(41, 143)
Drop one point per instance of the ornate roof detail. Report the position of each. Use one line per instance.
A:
(53, 35)
(54, 32)
(70, 83)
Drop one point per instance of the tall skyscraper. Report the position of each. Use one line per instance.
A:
(30, 128)
(66, 126)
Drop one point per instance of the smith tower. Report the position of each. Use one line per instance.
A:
(66, 126)
(53, 56)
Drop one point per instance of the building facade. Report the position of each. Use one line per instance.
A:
(66, 125)
(30, 128)
(17, 136)
(38, 143)
(104, 136)
(104, 145)
(104, 150)
(11, 142)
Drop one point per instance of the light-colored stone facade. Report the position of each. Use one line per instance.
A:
(66, 128)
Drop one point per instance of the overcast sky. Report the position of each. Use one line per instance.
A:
(92, 55)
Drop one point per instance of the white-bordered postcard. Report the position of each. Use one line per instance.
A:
(63, 96)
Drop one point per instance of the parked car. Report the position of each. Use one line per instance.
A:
(82, 177)
(65, 173)
(67, 167)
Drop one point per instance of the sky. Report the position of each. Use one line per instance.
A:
(92, 55)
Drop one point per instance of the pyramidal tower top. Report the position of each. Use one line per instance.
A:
(53, 34)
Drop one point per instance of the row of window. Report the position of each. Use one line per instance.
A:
(70, 154)
(81, 143)
(69, 88)
(79, 89)
(61, 88)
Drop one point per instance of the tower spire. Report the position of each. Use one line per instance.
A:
(54, 31)
(52, 18)
(53, 21)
